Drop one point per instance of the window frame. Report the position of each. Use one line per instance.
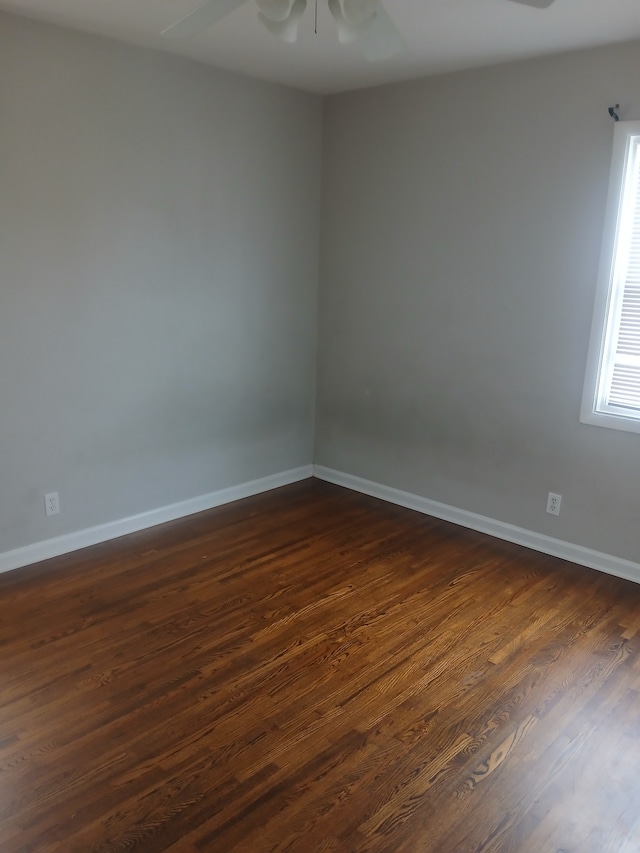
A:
(608, 295)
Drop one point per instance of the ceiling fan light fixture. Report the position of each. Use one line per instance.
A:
(350, 30)
(286, 30)
(275, 10)
(358, 12)
(367, 25)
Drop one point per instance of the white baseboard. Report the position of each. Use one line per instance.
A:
(112, 530)
(536, 541)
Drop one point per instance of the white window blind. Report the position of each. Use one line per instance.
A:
(612, 386)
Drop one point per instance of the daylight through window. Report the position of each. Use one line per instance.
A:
(612, 386)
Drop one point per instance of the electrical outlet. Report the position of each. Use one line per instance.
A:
(553, 503)
(52, 504)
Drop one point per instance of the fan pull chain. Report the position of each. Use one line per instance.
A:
(316, 17)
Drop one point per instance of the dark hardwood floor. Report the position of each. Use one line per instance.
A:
(314, 670)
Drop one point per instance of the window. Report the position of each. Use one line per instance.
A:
(612, 385)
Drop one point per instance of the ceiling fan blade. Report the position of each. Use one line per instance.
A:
(287, 30)
(201, 18)
(358, 11)
(368, 25)
(537, 4)
(350, 21)
(382, 40)
(275, 10)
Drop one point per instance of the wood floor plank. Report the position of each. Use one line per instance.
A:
(314, 670)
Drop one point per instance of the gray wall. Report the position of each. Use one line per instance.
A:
(159, 230)
(159, 226)
(462, 224)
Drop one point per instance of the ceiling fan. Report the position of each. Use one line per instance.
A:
(365, 23)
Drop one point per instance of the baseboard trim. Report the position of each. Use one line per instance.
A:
(49, 548)
(39, 551)
(537, 541)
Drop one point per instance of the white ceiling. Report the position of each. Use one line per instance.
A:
(442, 35)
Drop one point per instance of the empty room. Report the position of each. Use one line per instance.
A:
(319, 426)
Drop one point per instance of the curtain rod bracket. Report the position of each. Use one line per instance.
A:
(612, 112)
